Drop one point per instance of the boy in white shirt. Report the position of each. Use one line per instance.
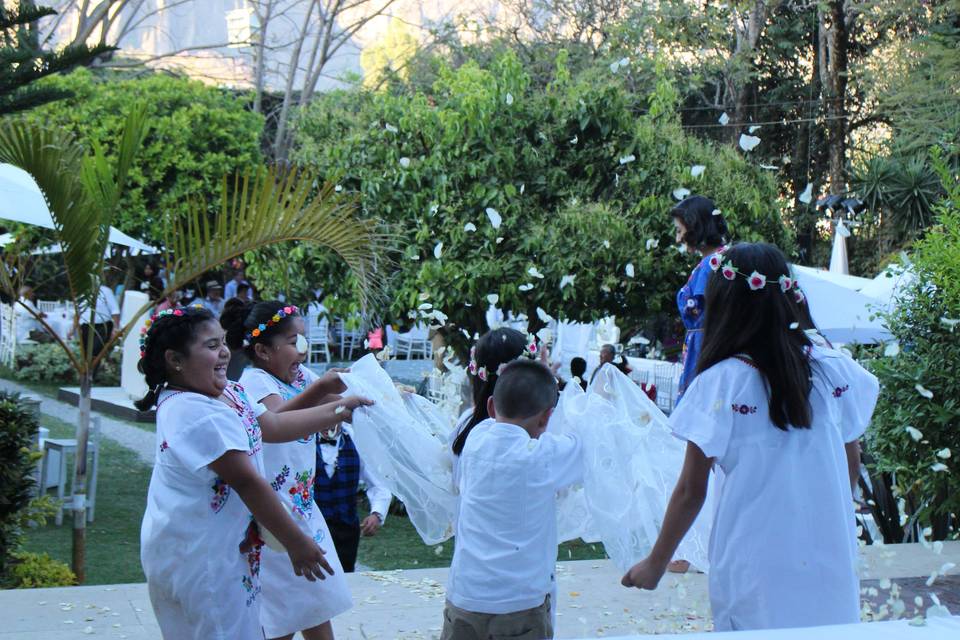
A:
(501, 582)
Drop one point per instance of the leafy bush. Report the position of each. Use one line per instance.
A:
(48, 364)
(581, 182)
(18, 428)
(37, 570)
(915, 438)
(198, 134)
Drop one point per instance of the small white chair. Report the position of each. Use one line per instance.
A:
(415, 343)
(48, 306)
(349, 339)
(67, 446)
(318, 338)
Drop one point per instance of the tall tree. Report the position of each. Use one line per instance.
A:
(23, 61)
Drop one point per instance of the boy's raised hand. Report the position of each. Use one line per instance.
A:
(643, 575)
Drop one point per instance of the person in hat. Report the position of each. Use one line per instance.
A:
(214, 298)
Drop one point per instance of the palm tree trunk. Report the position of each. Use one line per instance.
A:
(80, 478)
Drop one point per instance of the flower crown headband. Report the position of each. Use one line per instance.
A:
(282, 313)
(756, 280)
(144, 331)
(529, 351)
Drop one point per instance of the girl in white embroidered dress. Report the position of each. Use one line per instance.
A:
(782, 418)
(200, 548)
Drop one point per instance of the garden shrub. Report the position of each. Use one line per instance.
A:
(915, 436)
(18, 430)
(48, 364)
(36, 570)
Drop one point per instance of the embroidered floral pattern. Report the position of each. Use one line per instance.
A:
(301, 495)
(281, 478)
(839, 391)
(252, 588)
(743, 409)
(221, 491)
(245, 411)
(164, 446)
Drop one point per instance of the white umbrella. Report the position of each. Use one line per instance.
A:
(850, 282)
(22, 201)
(842, 314)
(838, 256)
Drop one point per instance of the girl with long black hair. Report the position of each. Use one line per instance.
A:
(781, 417)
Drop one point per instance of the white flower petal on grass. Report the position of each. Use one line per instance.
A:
(438, 250)
(404, 162)
(915, 433)
(680, 193)
(697, 170)
(629, 270)
(338, 188)
(493, 298)
(438, 551)
(389, 127)
(565, 280)
(533, 271)
(939, 466)
(933, 578)
(724, 118)
(508, 99)
(807, 194)
(892, 349)
(652, 243)
(606, 244)
(494, 215)
(525, 287)
(748, 143)
(926, 393)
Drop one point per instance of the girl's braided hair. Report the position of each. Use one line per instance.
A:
(170, 331)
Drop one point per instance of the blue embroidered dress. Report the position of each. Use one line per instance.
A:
(690, 303)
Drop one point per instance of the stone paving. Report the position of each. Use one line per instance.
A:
(408, 604)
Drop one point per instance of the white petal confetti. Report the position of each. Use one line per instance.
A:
(629, 270)
(404, 162)
(389, 127)
(494, 216)
(681, 193)
(438, 550)
(944, 454)
(915, 433)
(939, 466)
(499, 239)
(794, 325)
(753, 128)
(522, 187)
(525, 287)
(534, 272)
(493, 298)
(892, 349)
(807, 194)
(938, 547)
(627, 159)
(947, 568)
(926, 393)
(652, 243)
(769, 167)
(338, 188)
(545, 317)
(606, 244)
(508, 99)
(469, 227)
(339, 409)
(724, 119)
(565, 280)
(438, 250)
(697, 170)
(748, 143)
(426, 306)
(716, 212)
(950, 323)
(574, 139)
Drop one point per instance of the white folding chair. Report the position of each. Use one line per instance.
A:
(48, 306)
(318, 338)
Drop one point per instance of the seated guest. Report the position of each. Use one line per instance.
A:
(578, 369)
(214, 299)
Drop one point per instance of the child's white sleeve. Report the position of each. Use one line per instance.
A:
(564, 458)
(257, 384)
(705, 413)
(204, 433)
(857, 389)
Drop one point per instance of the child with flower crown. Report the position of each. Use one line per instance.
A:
(271, 335)
(200, 547)
(781, 417)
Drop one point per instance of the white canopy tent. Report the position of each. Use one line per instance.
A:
(842, 314)
(22, 201)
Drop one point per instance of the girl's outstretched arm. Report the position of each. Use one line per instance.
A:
(685, 504)
(235, 469)
(293, 425)
(320, 391)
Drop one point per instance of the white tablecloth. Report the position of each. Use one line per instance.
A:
(935, 629)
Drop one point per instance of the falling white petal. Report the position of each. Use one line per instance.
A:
(807, 194)
(716, 212)
(892, 349)
(926, 393)
(338, 188)
(426, 306)
(697, 170)
(947, 568)
(574, 139)
(469, 227)
(748, 143)
(525, 287)
(614, 67)
(950, 323)
(423, 296)
(522, 187)
(389, 127)
(565, 280)
(623, 62)
(606, 244)
(493, 298)
(508, 99)
(404, 162)
(939, 467)
(755, 127)
(681, 193)
(438, 250)
(494, 216)
(627, 159)
(652, 243)
(794, 325)
(944, 453)
(629, 270)
(544, 316)
(499, 239)
(533, 271)
(915, 433)
(769, 167)
(724, 119)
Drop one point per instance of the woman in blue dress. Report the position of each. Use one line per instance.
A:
(701, 230)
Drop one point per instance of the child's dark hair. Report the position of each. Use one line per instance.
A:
(740, 320)
(704, 228)
(578, 367)
(240, 318)
(493, 349)
(169, 331)
(526, 388)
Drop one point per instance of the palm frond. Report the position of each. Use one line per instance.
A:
(269, 206)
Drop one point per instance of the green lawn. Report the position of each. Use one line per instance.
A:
(113, 538)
